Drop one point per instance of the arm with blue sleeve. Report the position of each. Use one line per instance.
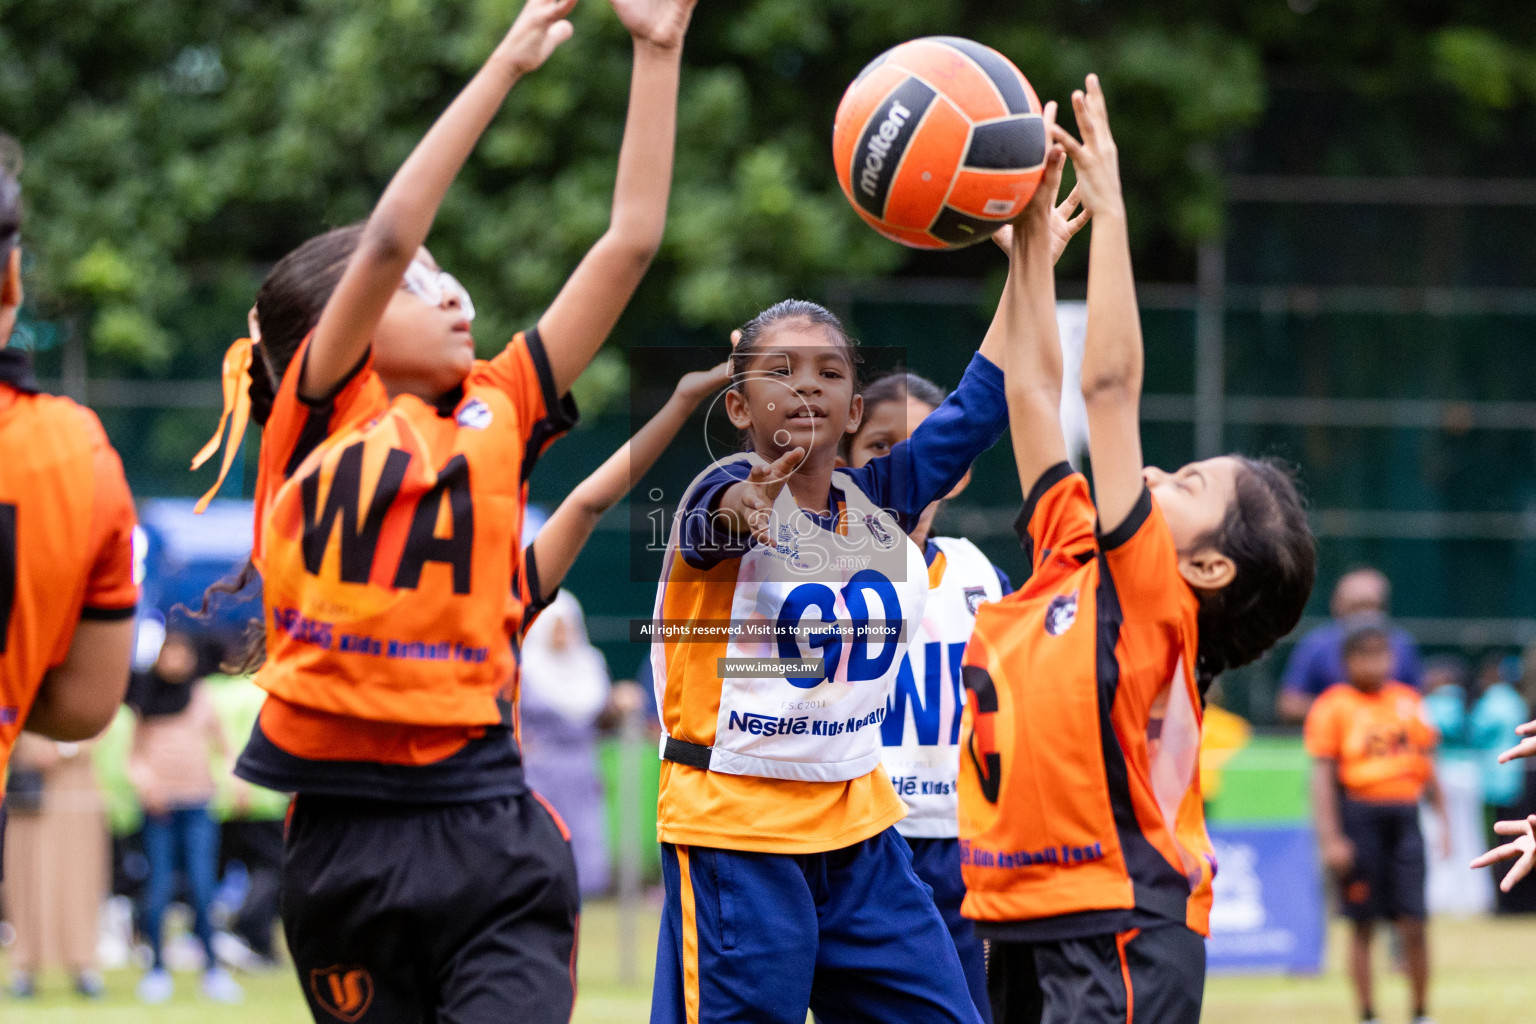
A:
(927, 465)
(701, 540)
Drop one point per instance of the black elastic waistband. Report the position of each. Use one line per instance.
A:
(694, 755)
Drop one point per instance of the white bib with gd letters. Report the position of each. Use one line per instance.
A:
(857, 594)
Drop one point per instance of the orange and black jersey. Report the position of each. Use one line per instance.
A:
(66, 536)
(389, 542)
(1383, 742)
(1080, 808)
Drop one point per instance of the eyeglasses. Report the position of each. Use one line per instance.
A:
(433, 286)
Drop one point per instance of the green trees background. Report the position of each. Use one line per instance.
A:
(174, 148)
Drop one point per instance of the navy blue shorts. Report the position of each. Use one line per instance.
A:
(1387, 880)
(850, 934)
(937, 863)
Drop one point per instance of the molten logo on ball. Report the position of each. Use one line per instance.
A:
(939, 142)
(880, 147)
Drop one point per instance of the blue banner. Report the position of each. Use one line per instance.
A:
(1269, 913)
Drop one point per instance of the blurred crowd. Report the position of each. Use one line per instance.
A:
(1475, 704)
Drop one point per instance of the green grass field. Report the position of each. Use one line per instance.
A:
(1484, 975)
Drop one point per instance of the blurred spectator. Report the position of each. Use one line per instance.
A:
(250, 840)
(1490, 727)
(258, 845)
(1318, 662)
(175, 731)
(56, 858)
(1372, 753)
(645, 683)
(1445, 697)
(564, 692)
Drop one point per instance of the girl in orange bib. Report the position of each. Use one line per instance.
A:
(422, 880)
(1082, 836)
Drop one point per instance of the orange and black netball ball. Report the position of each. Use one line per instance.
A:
(939, 142)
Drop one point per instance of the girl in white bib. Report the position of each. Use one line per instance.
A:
(775, 815)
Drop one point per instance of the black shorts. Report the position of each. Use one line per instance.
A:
(452, 913)
(1154, 974)
(1387, 880)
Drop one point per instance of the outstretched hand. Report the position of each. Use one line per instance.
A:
(700, 384)
(1095, 159)
(761, 489)
(1524, 847)
(1525, 748)
(539, 30)
(662, 23)
(1059, 219)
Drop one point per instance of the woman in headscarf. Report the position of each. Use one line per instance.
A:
(565, 688)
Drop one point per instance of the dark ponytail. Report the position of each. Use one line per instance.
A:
(254, 650)
(900, 385)
(288, 306)
(1267, 536)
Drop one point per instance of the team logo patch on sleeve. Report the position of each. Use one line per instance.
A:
(342, 991)
(1060, 614)
(883, 536)
(974, 598)
(475, 415)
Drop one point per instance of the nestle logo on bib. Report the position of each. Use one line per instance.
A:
(1060, 614)
(768, 725)
(475, 415)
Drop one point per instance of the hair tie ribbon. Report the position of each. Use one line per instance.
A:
(237, 413)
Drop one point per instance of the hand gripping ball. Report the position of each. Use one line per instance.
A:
(939, 142)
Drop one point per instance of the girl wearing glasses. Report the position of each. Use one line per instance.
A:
(423, 880)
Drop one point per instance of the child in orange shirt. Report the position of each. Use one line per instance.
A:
(1371, 739)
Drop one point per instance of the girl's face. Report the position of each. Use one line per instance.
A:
(885, 425)
(797, 392)
(423, 348)
(1194, 501)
